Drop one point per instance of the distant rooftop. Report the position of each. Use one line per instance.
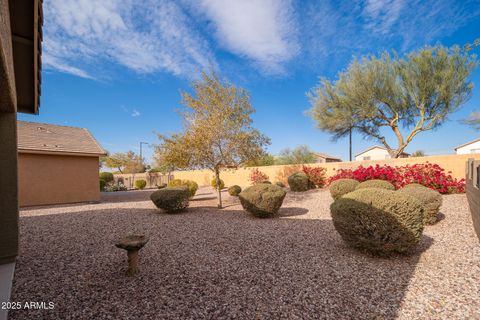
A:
(47, 138)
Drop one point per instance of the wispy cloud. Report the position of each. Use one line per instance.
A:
(80, 35)
(381, 15)
(263, 31)
(135, 113)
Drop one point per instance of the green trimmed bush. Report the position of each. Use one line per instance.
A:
(102, 184)
(140, 184)
(234, 190)
(161, 185)
(414, 185)
(376, 183)
(213, 183)
(107, 177)
(171, 199)
(431, 200)
(378, 221)
(342, 186)
(262, 200)
(299, 182)
(266, 182)
(280, 184)
(191, 185)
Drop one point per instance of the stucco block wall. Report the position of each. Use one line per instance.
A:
(453, 163)
(54, 179)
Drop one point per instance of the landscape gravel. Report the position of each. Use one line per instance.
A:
(208, 263)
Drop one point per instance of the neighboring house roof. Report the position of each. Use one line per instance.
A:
(376, 147)
(26, 20)
(326, 156)
(37, 137)
(466, 144)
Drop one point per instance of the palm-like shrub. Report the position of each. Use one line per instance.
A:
(342, 186)
(234, 190)
(140, 184)
(375, 183)
(299, 182)
(431, 200)
(379, 221)
(262, 200)
(171, 199)
(191, 185)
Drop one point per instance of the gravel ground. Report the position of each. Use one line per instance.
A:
(221, 264)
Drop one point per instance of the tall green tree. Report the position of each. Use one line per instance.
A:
(267, 160)
(125, 162)
(298, 155)
(217, 132)
(406, 95)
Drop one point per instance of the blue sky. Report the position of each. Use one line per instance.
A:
(117, 67)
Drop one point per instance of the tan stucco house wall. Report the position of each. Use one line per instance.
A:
(54, 179)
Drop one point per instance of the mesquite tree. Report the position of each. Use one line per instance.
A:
(217, 130)
(415, 93)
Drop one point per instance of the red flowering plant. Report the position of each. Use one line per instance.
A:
(257, 176)
(318, 176)
(427, 174)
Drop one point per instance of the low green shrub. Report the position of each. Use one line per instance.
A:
(431, 200)
(107, 177)
(191, 185)
(234, 190)
(280, 184)
(266, 182)
(161, 185)
(299, 182)
(102, 184)
(342, 186)
(213, 183)
(378, 221)
(376, 183)
(171, 199)
(414, 185)
(115, 188)
(140, 184)
(262, 200)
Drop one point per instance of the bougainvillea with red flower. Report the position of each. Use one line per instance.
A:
(427, 174)
(257, 176)
(318, 175)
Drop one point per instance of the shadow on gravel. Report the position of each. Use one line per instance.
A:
(219, 264)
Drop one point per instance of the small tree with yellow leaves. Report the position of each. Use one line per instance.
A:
(217, 131)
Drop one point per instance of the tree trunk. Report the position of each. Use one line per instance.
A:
(219, 191)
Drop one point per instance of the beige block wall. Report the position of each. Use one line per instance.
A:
(55, 179)
(454, 163)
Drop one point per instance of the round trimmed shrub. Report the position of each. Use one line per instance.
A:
(376, 183)
(431, 200)
(414, 185)
(214, 184)
(102, 184)
(342, 186)
(140, 184)
(171, 199)
(161, 185)
(378, 221)
(262, 200)
(299, 182)
(192, 186)
(106, 176)
(280, 184)
(266, 182)
(234, 190)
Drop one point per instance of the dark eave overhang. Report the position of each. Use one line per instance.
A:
(26, 20)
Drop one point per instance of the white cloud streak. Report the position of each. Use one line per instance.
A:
(156, 36)
(263, 31)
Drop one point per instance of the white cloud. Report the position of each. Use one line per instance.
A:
(381, 15)
(261, 30)
(151, 37)
(135, 113)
